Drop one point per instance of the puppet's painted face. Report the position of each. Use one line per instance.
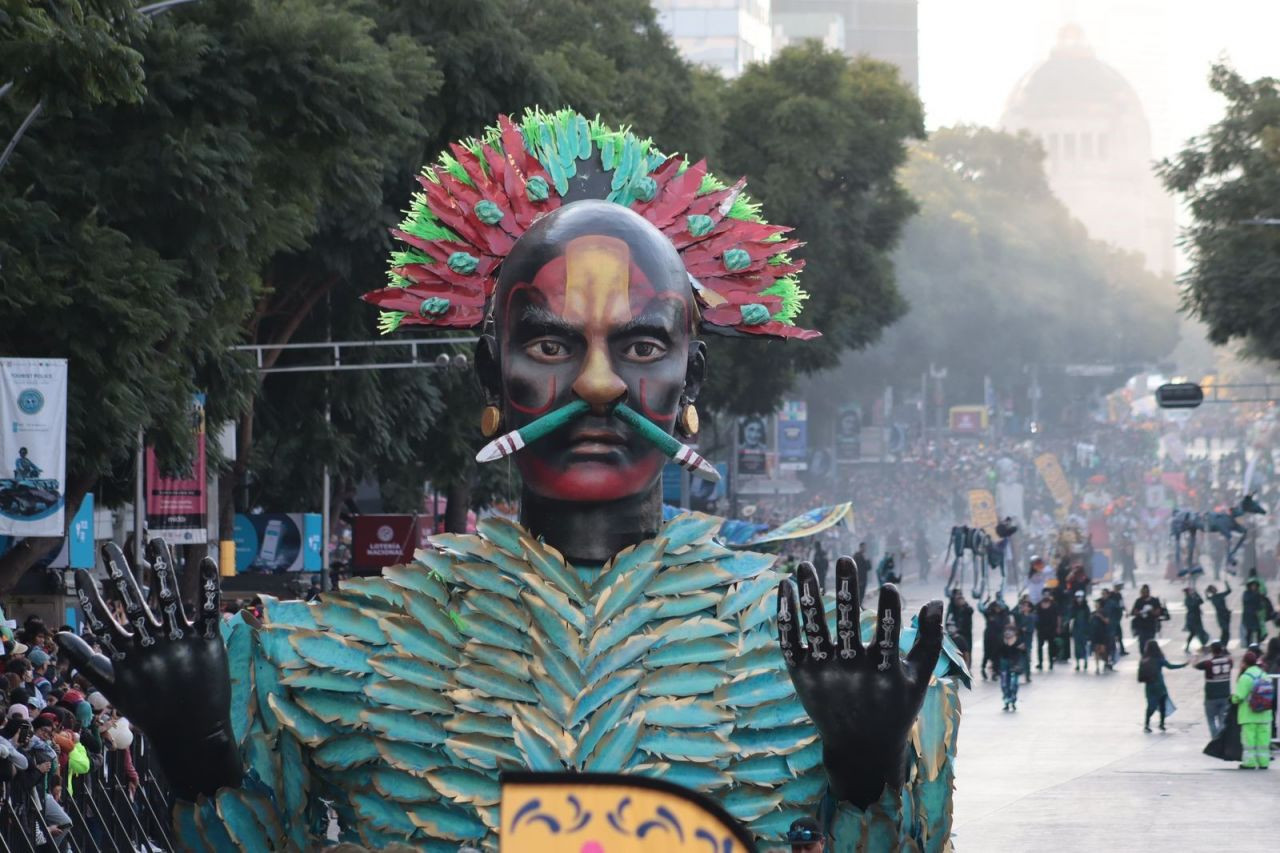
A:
(598, 314)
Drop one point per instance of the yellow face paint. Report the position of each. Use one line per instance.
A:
(597, 282)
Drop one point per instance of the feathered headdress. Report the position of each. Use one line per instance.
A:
(476, 202)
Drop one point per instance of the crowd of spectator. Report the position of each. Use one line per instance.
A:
(59, 740)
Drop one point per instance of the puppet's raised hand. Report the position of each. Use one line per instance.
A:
(863, 701)
(168, 675)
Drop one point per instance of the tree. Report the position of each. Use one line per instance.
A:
(143, 234)
(998, 276)
(820, 139)
(1229, 178)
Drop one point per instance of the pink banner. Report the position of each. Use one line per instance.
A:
(177, 507)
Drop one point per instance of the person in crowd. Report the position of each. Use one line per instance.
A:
(55, 816)
(1009, 653)
(1194, 625)
(862, 563)
(1036, 578)
(821, 563)
(922, 552)
(960, 617)
(1115, 615)
(1252, 612)
(1046, 629)
(1125, 556)
(1255, 700)
(961, 644)
(997, 616)
(887, 571)
(1100, 636)
(1080, 630)
(1147, 613)
(1217, 685)
(1151, 674)
(1078, 580)
(1221, 610)
(1271, 660)
(1025, 619)
(806, 836)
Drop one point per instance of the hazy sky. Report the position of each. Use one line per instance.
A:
(973, 52)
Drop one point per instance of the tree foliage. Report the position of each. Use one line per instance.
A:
(999, 276)
(820, 138)
(1229, 178)
(139, 236)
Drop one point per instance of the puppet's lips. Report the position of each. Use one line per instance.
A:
(592, 441)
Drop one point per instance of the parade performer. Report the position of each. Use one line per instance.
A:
(589, 636)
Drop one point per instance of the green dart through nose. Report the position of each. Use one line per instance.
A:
(682, 454)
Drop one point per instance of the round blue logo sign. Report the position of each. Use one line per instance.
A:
(30, 401)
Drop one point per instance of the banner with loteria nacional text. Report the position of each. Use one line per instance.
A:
(33, 446)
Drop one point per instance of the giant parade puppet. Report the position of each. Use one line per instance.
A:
(590, 636)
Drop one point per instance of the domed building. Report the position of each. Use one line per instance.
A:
(1094, 130)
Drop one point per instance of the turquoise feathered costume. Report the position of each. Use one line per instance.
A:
(399, 699)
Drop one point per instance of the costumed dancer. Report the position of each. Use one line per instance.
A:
(1221, 610)
(590, 636)
(1194, 625)
(1151, 673)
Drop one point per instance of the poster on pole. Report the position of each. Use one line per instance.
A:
(849, 434)
(33, 446)
(754, 446)
(177, 506)
(793, 436)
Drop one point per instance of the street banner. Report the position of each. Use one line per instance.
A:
(272, 542)
(312, 532)
(33, 446)
(849, 434)
(755, 443)
(793, 436)
(982, 511)
(80, 536)
(810, 523)
(177, 506)
(1056, 482)
(967, 418)
(378, 541)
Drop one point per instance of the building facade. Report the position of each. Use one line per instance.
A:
(727, 35)
(1094, 130)
(882, 29)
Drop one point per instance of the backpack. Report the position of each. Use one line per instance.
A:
(1262, 696)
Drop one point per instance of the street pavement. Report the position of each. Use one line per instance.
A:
(1072, 769)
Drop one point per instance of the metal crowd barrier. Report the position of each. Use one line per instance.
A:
(104, 817)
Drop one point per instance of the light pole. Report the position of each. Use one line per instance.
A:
(938, 374)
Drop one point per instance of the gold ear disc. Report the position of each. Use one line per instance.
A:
(490, 421)
(688, 421)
